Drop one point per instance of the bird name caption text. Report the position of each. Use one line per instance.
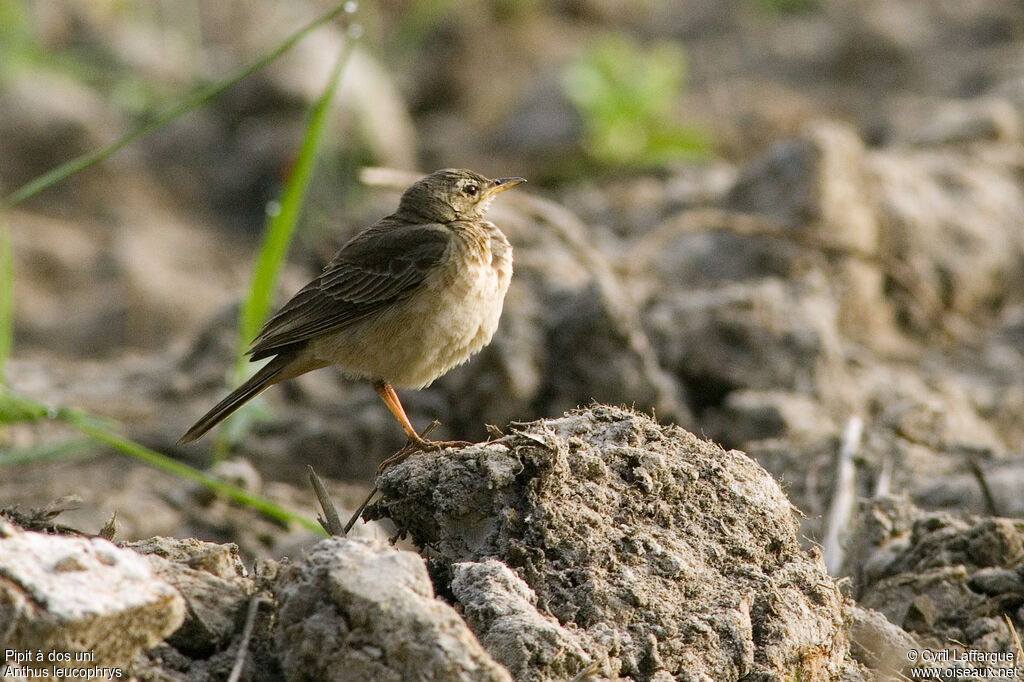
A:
(54, 664)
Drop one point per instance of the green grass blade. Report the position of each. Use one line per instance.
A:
(6, 300)
(89, 427)
(42, 453)
(65, 170)
(281, 225)
(14, 407)
(283, 220)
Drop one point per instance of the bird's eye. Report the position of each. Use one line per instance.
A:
(470, 190)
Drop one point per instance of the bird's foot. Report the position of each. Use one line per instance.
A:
(419, 445)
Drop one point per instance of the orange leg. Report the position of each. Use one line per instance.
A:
(390, 398)
(416, 441)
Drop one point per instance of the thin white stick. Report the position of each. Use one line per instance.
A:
(843, 497)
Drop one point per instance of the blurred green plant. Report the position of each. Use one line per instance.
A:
(16, 408)
(626, 96)
(18, 47)
(47, 451)
(282, 220)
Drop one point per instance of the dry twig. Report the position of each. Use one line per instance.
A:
(1016, 638)
(359, 510)
(587, 672)
(843, 496)
(243, 646)
(330, 520)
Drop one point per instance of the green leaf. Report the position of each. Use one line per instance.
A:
(626, 95)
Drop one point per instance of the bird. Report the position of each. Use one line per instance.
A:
(400, 304)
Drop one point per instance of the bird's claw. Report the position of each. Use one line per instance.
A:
(419, 445)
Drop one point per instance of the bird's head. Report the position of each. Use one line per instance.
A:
(453, 194)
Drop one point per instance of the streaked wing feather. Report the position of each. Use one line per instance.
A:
(378, 267)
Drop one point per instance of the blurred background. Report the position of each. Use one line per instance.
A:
(758, 219)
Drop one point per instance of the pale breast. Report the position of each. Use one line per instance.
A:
(453, 315)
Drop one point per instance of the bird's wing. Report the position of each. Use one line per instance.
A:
(378, 267)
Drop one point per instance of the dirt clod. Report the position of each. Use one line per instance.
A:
(656, 552)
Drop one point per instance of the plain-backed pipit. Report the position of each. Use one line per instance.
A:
(400, 304)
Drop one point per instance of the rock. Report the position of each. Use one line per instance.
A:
(214, 584)
(765, 334)
(221, 561)
(814, 184)
(941, 578)
(923, 602)
(997, 581)
(751, 415)
(587, 362)
(876, 642)
(221, 598)
(928, 122)
(542, 124)
(502, 609)
(659, 553)
(49, 117)
(929, 199)
(817, 188)
(355, 610)
(80, 598)
(884, 220)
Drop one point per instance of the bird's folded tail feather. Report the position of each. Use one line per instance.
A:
(265, 377)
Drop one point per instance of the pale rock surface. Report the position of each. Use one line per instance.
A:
(71, 595)
(357, 610)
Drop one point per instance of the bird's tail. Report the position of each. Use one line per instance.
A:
(241, 395)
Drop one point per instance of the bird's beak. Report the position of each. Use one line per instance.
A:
(502, 184)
